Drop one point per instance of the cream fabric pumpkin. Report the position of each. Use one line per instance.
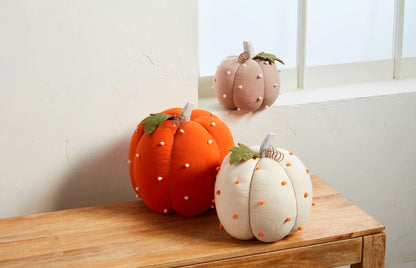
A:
(267, 196)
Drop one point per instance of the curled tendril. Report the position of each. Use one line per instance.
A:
(243, 57)
(273, 153)
(178, 121)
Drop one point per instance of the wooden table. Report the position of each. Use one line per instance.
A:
(129, 234)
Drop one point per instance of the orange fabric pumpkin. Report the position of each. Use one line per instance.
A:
(173, 169)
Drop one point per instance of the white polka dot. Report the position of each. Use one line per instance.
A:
(165, 211)
(162, 143)
(244, 64)
(137, 196)
(212, 206)
(137, 155)
(228, 72)
(260, 76)
(182, 131)
(159, 178)
(224, 96)
(267, 107)
(213, 124)
(275, 85)
(137, 188)
(238, 109)
(129, 161)
(187, 165)
(209, 141)
(260, 98)
(186, 197)
(265, 62)
(240, 86)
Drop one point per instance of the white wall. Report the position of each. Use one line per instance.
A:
(75, 79)
(364, 147)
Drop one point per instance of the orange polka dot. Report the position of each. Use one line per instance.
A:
(288, 218)
(218, 192)
(260, 234)
(284, 182)
(213, 201)
(257, 168)
(307, 171)
(218, 168)
(291, 153)
(237, 181)
(235, 216)
(288, 164)
(261, 202)
(221, 226)
(313, 203)
(305, 195)
(300, 228)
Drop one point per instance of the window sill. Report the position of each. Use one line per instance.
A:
(330, 93)
(341, 92)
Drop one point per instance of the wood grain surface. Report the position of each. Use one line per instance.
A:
(130, 234)
(374, 247)
(329, 254)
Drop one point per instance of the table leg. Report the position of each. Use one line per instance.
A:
(374, 248)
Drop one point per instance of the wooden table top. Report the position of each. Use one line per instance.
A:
(129, 234)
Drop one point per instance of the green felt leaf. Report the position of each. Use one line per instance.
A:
(269, 57)
(153, 121)
(242, 153)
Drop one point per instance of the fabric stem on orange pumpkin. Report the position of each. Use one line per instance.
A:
(185, 115)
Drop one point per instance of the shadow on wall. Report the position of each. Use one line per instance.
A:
(101, 178)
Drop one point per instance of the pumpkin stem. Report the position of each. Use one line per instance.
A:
(185, 115)
(248, 47)
(267, 142)
(268, 151)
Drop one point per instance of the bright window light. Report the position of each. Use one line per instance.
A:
(409, 29)
(346, 31)
(223, 26)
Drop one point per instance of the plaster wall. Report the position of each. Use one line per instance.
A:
(75, 79)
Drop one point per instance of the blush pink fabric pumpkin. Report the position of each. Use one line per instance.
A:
(247, 83)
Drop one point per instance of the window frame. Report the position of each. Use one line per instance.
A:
(301, 76)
